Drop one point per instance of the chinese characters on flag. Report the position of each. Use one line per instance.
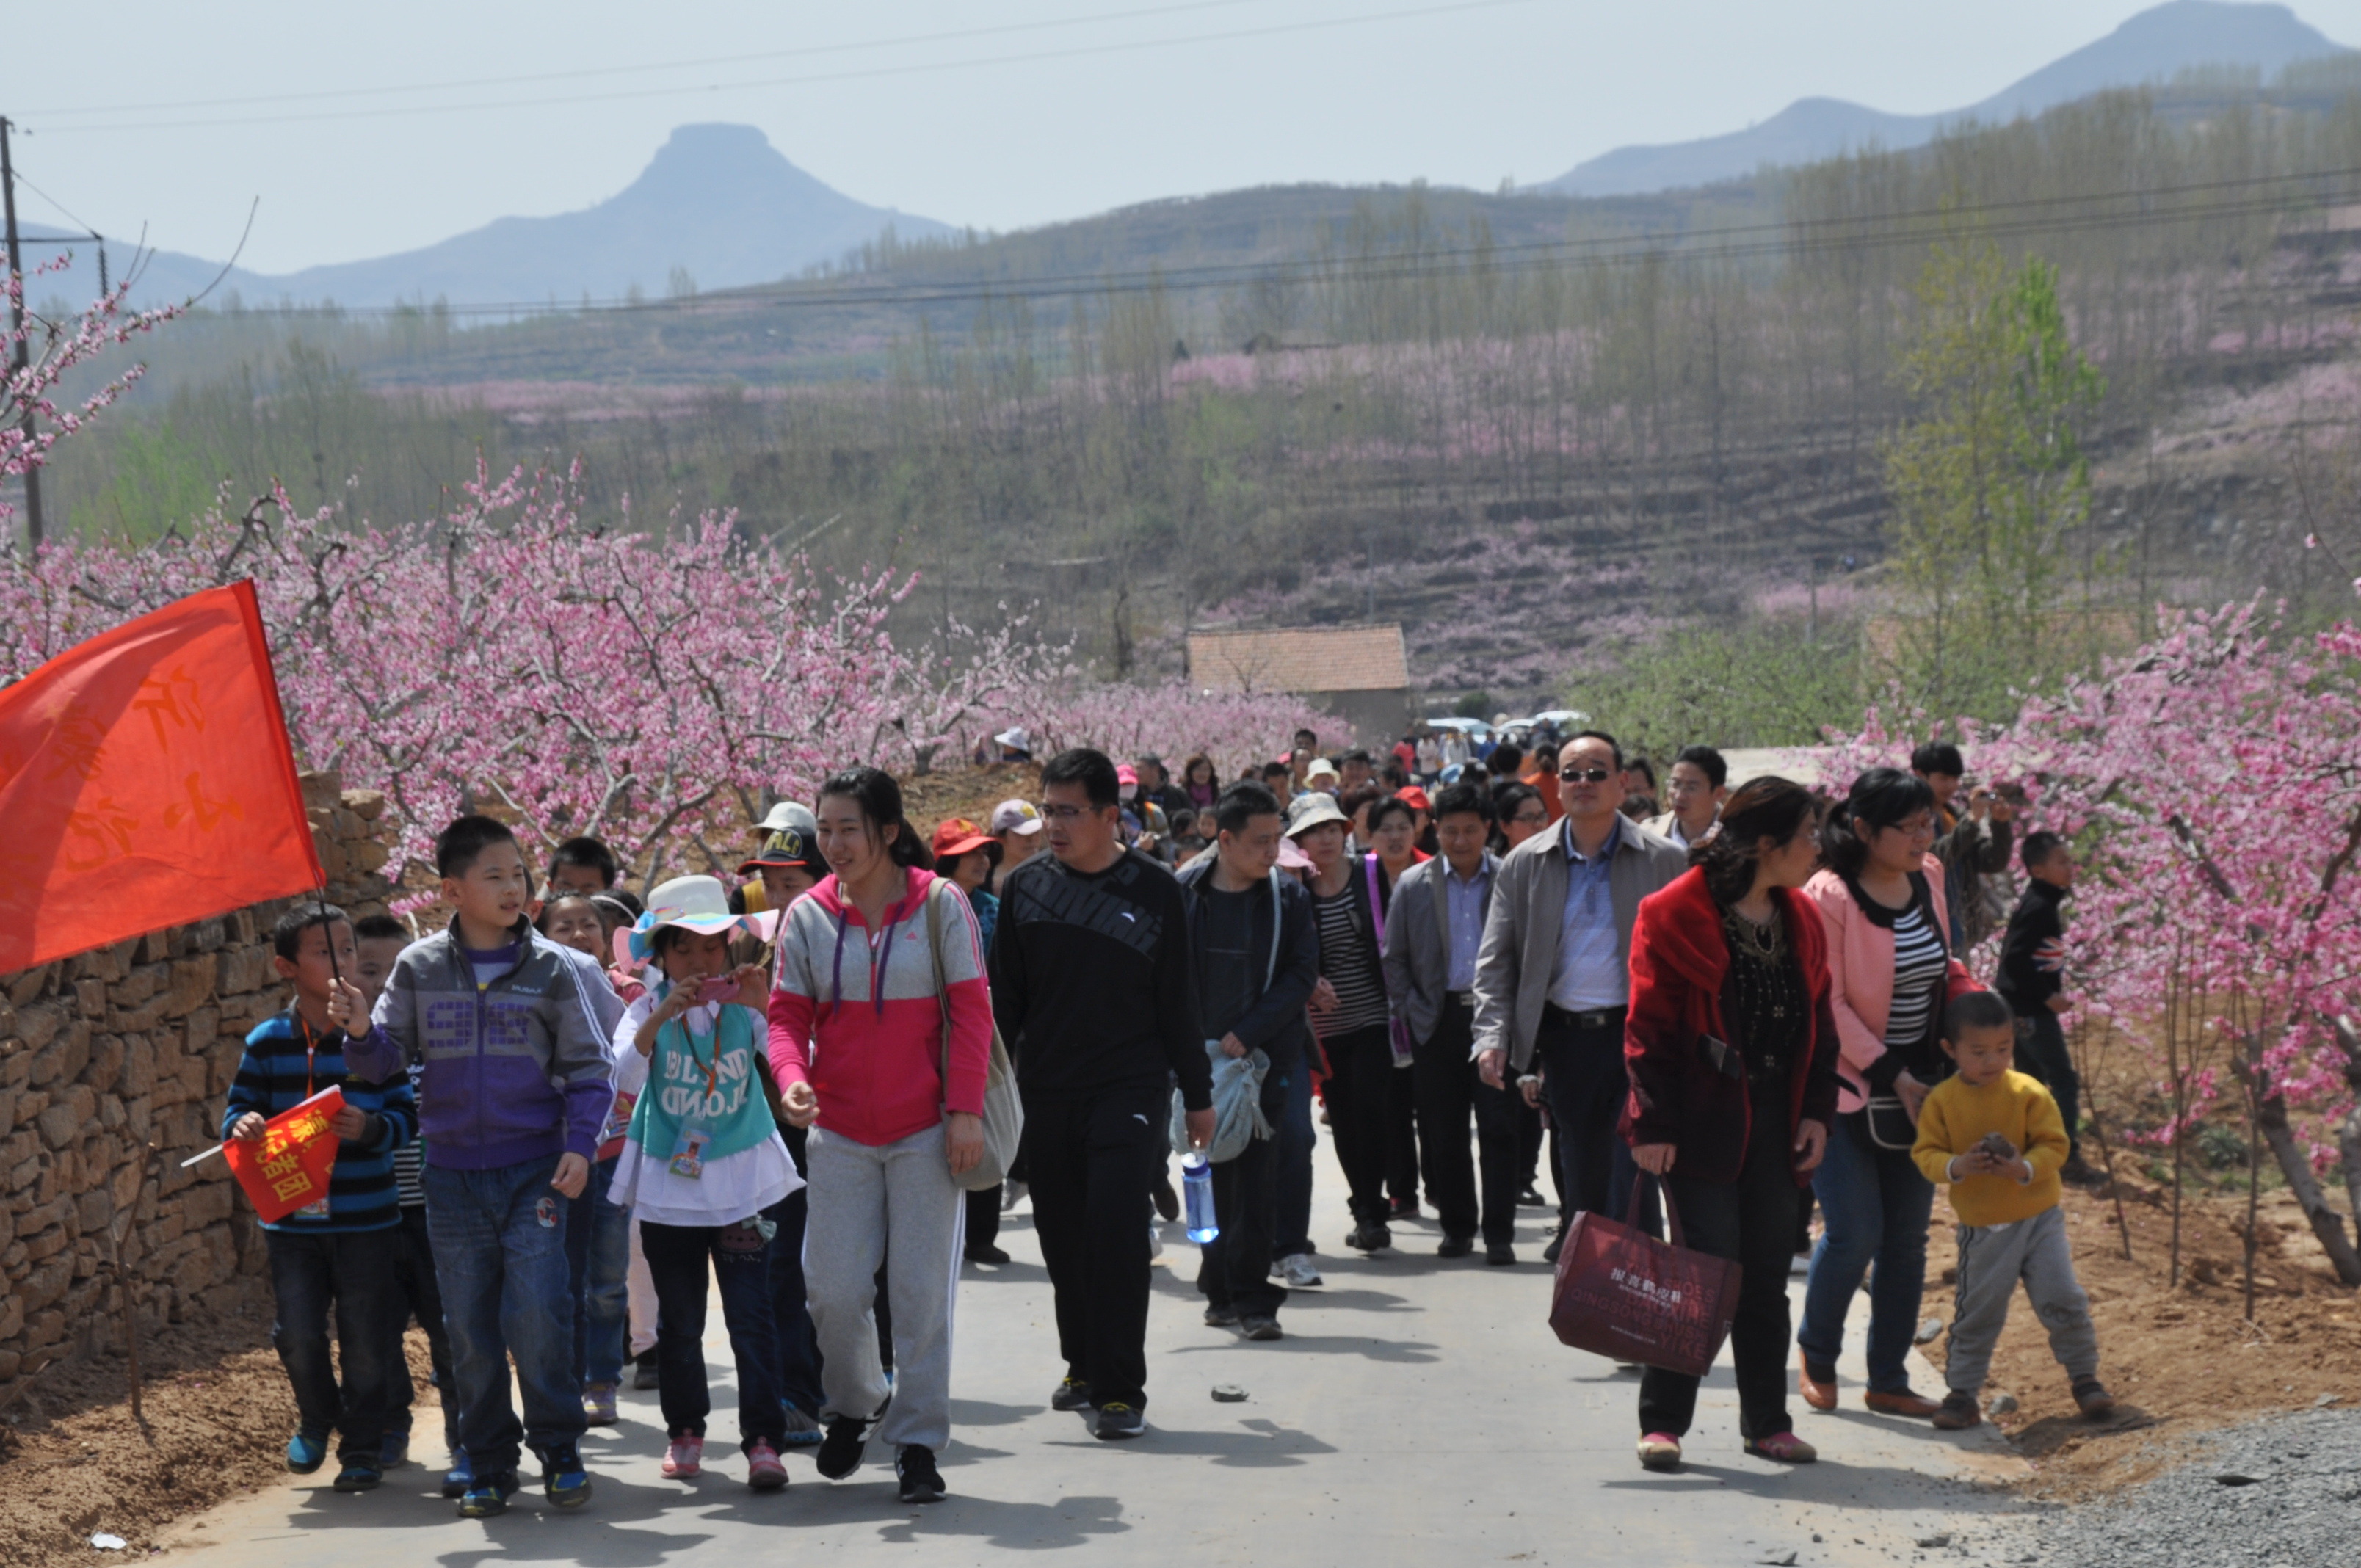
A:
(146, 782)
(289, 1165)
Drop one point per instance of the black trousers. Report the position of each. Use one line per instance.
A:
(1585, 1084)
(1360, 1082)
(1752, 1220)
(420, 1296)
(1401, 1132)
(1447, 1088)
(983, 1218)
(2042, 1053)
(1090, 1160)
(1234, 1268)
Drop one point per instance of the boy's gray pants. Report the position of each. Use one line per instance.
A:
(897, 1204)
(1992, 1258)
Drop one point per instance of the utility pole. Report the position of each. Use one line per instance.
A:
(17, 359)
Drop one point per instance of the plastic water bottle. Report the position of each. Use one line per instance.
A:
(1197, 1198)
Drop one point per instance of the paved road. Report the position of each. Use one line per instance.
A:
(1418, 1412)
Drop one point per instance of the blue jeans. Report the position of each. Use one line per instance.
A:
(500, 1255)
(1877, 1207)
(597, 1254)
(1291, 1232)
(353, 1272)
(741, 1268)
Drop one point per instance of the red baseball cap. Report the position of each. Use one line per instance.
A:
(1415, 798)
(960, 836)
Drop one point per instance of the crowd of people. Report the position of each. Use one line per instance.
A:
(572, 1114)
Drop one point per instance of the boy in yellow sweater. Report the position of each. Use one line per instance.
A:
(1995, 1138)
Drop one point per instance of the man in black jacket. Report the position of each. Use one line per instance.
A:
(2032, 981)
(1257, 959)
(1092, 985)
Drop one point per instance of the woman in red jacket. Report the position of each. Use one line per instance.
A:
(866, 1014)
(1732, 1049)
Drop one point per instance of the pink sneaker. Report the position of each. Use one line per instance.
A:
(764, 1471)
(1659, 1451)
(683, 1457)
(1784, 1447)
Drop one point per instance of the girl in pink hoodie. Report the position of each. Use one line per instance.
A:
(880, 1032)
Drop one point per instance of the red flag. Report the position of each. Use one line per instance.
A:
(289, 1165)
(146, 782)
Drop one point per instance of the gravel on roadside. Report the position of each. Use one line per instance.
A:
(2278, 1493)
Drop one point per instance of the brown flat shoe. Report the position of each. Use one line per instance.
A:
(1905, 1403)
(1819, 1395)
(1957, 1412)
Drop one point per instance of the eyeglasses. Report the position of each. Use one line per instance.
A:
(1586, 775)
(1916, 827)
(1056, 811)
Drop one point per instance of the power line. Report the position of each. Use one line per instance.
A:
(867, 74)
(648, 66)
(1740, 242)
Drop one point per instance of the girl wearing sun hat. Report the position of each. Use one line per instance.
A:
(702, 1159)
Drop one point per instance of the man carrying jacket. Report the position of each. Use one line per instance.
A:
(1257, 959)
(1551, 979)
(1432, 934)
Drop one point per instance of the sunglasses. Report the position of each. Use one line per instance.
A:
(1585, 775)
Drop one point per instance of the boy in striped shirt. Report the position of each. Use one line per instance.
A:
(333, 1252)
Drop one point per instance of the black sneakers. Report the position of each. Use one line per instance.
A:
(1455, 1247)
(1221, 1317)
(1369, 1238)
(1118, 1421)
(1499, 1254)
(985, 1252)
(1261, 1327)
(1072, 1394)
(840, 1450)
(921, 1482)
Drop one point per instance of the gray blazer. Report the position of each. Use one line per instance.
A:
(1520, 931)
(1418, 947)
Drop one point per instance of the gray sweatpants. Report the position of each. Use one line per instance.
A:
(1992, 1258)
(897, 1204)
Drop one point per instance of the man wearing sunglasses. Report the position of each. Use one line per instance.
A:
(1094, 988)
(1552, 978)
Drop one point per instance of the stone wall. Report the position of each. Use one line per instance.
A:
(104, 1054)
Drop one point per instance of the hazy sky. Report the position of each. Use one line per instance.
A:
(1461, 93)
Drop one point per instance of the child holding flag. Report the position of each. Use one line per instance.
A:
(338, 1251)
(702, 1161)
(509, 1027)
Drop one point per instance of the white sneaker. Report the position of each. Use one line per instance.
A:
(1299, 1271)
(1154, 1239)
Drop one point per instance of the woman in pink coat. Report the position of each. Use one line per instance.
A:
(1891, 970)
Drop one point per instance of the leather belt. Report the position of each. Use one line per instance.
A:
(1464, 998)
(1596, 1018)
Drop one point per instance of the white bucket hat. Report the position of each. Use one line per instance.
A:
(697, 904)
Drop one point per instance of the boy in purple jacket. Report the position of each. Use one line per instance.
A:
(510, 1031)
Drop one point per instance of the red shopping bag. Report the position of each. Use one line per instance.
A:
(289, 1165)
(1623, 1294)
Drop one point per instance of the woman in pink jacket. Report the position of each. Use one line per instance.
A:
(866, 1011)
(1891, 970)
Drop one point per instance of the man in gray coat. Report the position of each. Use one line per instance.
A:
(1553, 978)
(1433, 931)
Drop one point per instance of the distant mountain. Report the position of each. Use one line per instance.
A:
(718, 202)
(2154, 46)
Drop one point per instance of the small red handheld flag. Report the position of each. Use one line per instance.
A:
(289, 1165)
(146, 782)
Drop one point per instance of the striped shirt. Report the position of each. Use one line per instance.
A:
(407, 1160)
(283, 1065)
(1919, 963)
(1348, 964)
